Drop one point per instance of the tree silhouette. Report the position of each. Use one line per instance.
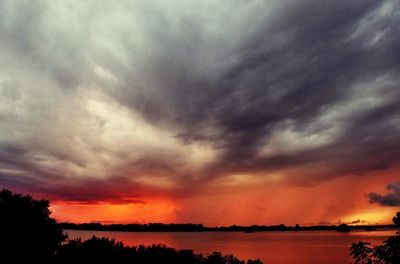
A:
(361, 252)
(386, 253)
(27, 232)
(104, 250)
(396, 219)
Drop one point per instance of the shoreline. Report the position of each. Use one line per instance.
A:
(199, 229)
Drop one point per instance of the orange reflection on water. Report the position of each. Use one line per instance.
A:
(303, 247)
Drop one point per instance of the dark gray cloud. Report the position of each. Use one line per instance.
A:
(165, 95)
(392, 198)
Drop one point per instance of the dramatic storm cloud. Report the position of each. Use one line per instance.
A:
(390, 199)
(176, 98)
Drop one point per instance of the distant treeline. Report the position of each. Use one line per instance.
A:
(160, 227)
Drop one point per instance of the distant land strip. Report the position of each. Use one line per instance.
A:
(160, 227)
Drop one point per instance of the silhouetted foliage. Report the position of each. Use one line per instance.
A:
(104, 250)
(386, 253)
(27, 232)
(361, 252)
(396, 219)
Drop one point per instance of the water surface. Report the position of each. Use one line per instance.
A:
(303, 247)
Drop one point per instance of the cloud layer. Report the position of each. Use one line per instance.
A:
(152, 98)
(392, 198)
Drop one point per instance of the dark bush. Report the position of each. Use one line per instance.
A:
(27, 232)
(104, 250)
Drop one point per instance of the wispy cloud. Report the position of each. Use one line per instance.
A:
(162, 96)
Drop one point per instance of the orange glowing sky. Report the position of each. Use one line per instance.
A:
(212, 112)
(331, 202)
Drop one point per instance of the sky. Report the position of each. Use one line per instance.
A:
(213, 112)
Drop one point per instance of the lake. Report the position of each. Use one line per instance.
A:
(300, 247)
